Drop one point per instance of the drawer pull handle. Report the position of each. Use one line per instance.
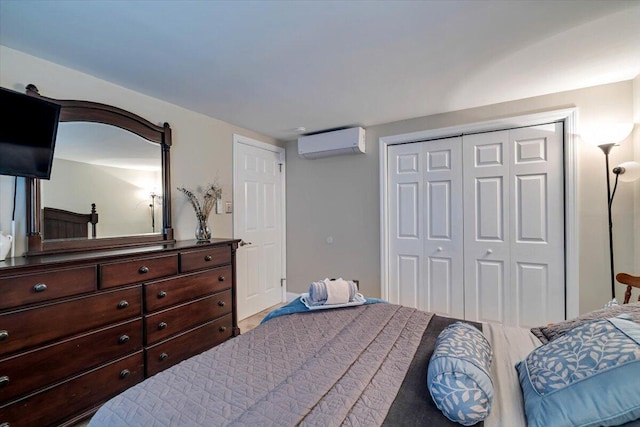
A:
(4, 335)
(123, 339)
(222, 328)
(220, 278)
(4, 381)
(162, 294)
(40, 287)
(221, 303)
(208, 258)
(143, 270)
(124, 374)
(163, 356)
(123, 304)
(162, 325)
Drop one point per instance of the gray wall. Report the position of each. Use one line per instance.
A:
(339, 197)
(122, 212)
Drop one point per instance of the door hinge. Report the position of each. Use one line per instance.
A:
(280, 164)
(282, 282)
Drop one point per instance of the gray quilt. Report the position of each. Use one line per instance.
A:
(327, 368)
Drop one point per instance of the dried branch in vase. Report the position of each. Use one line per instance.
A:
(202, 207)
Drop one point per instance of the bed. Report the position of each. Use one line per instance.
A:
(63, 224)
(357, 366)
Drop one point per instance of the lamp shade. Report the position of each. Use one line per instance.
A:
(631, 171)
(606, 133)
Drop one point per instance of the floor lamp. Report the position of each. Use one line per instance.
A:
(153, 211)
(628, 171)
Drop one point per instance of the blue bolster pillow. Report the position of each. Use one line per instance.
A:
(458, 376)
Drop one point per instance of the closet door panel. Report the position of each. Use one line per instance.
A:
(532, 293)
(406, 224)
(425, 196)
(486, 228)
(489, 206)
(443, 246)
(441, 287)
(490, 283)
(537, 226)
(408, 280)
(531, 208)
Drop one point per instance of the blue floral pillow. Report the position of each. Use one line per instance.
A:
(458, 376)
(588, 377)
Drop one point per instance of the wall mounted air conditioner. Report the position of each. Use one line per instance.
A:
(334, 143)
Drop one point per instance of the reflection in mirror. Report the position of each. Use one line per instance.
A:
(116, 169)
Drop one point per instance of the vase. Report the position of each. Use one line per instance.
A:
(203, 233)
(5, 245)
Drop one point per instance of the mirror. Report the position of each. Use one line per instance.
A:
(110, 159)
(93, 159)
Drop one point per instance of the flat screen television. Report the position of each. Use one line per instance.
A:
(28, 128)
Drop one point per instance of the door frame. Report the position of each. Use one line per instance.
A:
(240, 139)
(571, 234)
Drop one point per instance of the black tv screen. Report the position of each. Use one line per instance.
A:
(28, 128)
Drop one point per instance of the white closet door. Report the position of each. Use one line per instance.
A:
(406, 224)
(443, 250)
(514, 226)
(425, 196)
(486, 226)
(477, 226)
(537, 226)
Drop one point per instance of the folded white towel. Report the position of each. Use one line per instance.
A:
(318, 294)
(337, 291)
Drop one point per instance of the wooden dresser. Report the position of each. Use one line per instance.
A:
(75, 330)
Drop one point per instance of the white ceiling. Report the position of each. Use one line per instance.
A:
(272, 66)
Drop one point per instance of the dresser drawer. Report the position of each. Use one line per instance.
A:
(167, 353)
(27, 328)
(205, 258)
(167, 292)
(39, 368)
(138, 270)
(77, 394)
(163, 324)
(38, 287)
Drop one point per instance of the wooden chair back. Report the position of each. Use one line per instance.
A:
(631, 282)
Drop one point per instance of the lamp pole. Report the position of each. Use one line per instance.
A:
(606, 148)
(153, 212)
(606, 137)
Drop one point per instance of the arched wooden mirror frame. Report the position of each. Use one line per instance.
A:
(86, 111)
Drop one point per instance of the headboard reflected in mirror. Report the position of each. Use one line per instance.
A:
(110, 157)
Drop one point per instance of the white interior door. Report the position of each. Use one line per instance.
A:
(537, 226)
(486, 225)
(476, 226)
(514, 226)
(426, 268)
(258, 221)
(444, 234)
(406, 225)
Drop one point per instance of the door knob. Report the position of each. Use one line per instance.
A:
(439, 248)
(243, 243)
(489, 251)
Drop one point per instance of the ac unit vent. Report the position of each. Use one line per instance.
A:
(334, 143)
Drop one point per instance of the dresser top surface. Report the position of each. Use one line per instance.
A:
(89, 256)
